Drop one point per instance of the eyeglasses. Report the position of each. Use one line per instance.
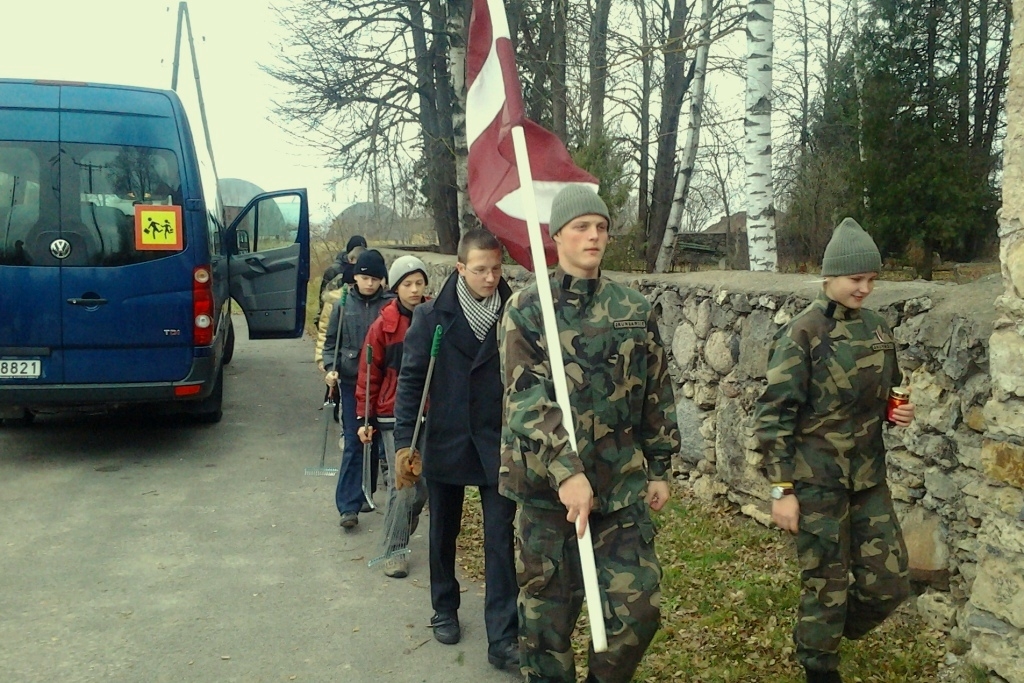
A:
(481, 271)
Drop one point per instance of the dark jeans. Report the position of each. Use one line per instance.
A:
(348, 496)
(445, 501)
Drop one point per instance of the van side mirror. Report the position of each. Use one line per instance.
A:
(242, 241)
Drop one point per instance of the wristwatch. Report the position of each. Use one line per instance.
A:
(780, 491)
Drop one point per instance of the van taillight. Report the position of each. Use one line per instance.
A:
(202, 307)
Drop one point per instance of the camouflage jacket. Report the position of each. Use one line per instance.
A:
(619, 387)
(820, 418)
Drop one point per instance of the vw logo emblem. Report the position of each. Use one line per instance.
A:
(60, 248)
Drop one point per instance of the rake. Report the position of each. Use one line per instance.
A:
(368, 447)
(399, 518)
(330, 399)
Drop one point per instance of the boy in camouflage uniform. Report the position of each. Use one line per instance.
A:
(819, 427)
(624, 411)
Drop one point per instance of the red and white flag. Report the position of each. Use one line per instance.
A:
(494, 105)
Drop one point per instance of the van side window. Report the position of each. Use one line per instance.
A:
(272, 224)
(216, 229)
(109, 182)
(23, 172)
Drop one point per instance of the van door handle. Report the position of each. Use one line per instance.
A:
(256, 263)
(76, 301)
(262, 267)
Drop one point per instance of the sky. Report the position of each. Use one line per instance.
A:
(131, 42)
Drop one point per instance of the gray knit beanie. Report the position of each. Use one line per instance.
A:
(403, 266)
(850, 251)
(573, 201)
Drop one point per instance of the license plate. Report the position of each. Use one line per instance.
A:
(20, 368)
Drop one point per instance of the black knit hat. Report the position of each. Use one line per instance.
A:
(371, 263)
(355, 241)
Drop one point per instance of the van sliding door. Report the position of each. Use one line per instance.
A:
(127, 300)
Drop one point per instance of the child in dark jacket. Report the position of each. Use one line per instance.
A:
(364, 303)
(408, 280)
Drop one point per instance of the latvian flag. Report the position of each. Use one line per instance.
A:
(494, 105)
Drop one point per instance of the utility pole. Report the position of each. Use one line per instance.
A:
(183, 15)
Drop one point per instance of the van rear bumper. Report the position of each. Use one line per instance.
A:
(42, 396)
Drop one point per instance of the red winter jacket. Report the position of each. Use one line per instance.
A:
(385, 336)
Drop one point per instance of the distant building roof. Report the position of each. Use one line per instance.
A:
(726, 224)
(368, 211)
(237, 192)
(738, 223)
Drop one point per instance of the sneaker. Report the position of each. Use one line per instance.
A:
(396, 567)
(504, 655)
(446, 627)
(365, 507)
(349, 519)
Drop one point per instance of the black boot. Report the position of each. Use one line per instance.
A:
(815, 676)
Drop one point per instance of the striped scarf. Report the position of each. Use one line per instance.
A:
(481, 315)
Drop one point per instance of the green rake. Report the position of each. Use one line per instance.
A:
(399, 518)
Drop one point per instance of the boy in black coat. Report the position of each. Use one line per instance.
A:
(461, 445)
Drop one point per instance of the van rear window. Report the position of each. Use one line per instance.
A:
(83, 193)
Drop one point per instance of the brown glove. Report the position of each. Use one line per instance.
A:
(408, 466)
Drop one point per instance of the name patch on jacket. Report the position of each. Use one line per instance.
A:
(884, 343)
(629, 324)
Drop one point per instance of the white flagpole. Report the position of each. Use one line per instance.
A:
(595, 609)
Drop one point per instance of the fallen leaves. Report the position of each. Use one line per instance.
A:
(729, 598)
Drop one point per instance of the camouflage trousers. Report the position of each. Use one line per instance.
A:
(853, 569)
(551, 592)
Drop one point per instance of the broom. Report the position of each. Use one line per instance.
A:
(368, 447)
(399, 518)
(331, 399)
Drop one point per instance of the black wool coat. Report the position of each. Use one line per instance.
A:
(463, 428)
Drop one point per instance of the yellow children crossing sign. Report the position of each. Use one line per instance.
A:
(158, 228)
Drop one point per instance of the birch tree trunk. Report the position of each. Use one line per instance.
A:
(689, 157)
(858, 82)
(761, 244)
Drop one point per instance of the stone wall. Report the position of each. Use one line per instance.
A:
(994, 617)
(958, 491)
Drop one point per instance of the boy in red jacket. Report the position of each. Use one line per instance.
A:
(408, 280)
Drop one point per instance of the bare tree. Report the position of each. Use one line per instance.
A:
(689, 154)
(366, 82)
(598, 63)
(677, 78)
(720, 167)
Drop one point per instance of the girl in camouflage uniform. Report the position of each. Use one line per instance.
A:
(819, 427)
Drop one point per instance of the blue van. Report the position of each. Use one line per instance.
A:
(116, 269)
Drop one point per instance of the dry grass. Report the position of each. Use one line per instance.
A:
(729, 601)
